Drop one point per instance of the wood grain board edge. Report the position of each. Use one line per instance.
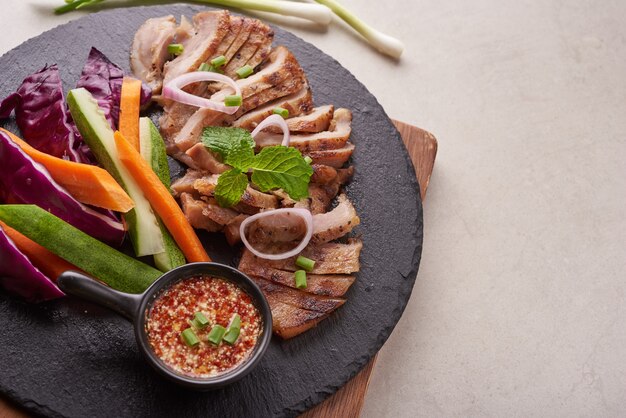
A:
(348, 401)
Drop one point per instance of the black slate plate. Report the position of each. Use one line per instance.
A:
(69, 358)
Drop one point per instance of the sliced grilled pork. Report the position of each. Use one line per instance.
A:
(231, 231)
(148, 52)
(185, 31)
(234, 29)
(253, 201)
(194, 212)
(211, 27)
(282, 67)
(246, 25)
(317, 120)
(336, 137)
(260, 38)
(323, 174)
(289, 321)
(319, 284)
(332, 157)
(282, 227)
(205, 185)
(297, 298)
(185, 183)
(203, 159)
(297, 103)
(218, 214)
(336, 223)
(330, 258)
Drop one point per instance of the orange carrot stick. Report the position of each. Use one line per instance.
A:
(48, 263)
(129, 110)
(86, 183)
(161, 200)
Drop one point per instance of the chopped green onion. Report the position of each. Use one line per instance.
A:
(205, 67)
(234, 328)
(216, 334)
(308, 159)
(231, 335)
(190, 338)
(217, 62)
(175, 49)
(244, 71)
(305, 263)
(301, 279)
(234, 100)
(281, 111)
(199, 320)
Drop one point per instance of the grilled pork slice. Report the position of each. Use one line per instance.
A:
(297, 298)
(320, 284)
(289, 321)
(317, 120)
(205, 185)
(336, 223)
(184, 31)
(236, 24)
(246, 26)
(336, 137)
(330, 258)
(231, 231)
(252, 200)
(211, 27)
(323, 174)
(203, 159)
(297, 103)
(282, 67)
(148, 52)
(194, 212)
(218, 214)
(332, 157)
(185, 183)
(260, 38)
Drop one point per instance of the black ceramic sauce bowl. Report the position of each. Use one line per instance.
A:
(136, 309)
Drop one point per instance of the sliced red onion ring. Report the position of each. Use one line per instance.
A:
(274, 120)
(174, 90)
(306, 216)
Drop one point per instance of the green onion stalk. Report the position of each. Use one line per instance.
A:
(383, 43)
(313, 12)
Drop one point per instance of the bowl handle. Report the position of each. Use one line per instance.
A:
(87, 288)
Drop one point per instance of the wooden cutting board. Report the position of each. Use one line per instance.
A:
(348, 401)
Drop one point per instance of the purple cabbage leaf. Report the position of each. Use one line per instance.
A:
(103, 79)
(19, 276)
(23, 181)
(43, 118)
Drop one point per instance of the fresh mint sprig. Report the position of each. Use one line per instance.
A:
(275, 167)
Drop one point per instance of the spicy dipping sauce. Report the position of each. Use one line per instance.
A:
(186, 320)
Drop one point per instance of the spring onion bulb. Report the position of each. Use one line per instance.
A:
(173, 90)
(274, 120)
(380, 41)
(303, 213)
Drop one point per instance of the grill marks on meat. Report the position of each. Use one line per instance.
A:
(149, 50)
(259, 39)
(336, 137)
(332, 157)
(203, 159)
(194, 212)
(210, 28)
(336, 223)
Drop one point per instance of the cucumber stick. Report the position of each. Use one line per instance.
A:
(143, 226)
(114, 268)
(152, 150)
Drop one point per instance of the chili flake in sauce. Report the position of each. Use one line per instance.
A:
(218, 300)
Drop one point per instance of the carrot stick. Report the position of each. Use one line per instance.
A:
(48, 263)
(161, 200)
(129, 110)
(86, 183)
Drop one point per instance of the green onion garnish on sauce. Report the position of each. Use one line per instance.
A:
(281, 111)
(175, 49)
(301, 279)
(234, 100)
(216, 334)
(217, 62)
(305, 263)
(233, 330)
(199, 321)
(190, 338)
(244, 71)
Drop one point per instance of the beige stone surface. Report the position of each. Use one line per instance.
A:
(519, 305)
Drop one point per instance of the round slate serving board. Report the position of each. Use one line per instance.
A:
(71, 358)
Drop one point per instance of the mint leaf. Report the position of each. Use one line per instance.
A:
(282, 168)
(234, 145)
(230, 187)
